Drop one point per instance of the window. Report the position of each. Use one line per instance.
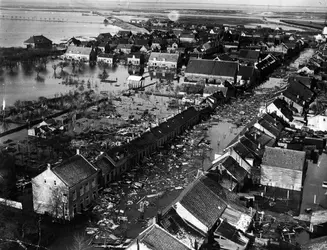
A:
(87, 187)
(54, 182)
(93, 183)
(81, 190)
(87, 199)
(74, 196)
(45, 181)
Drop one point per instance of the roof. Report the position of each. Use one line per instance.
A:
(103, 55)
(301, 90)
(209, 67)
(249, 54)
(229, 232)
(203, 202)
(283, 107)
(306, 80)
(104, 164)
(124, 46)
(74, 170)
(246, 72)
(134, 78)
(284, 158)
(234, 168)
(169, 57)
(78, 50)
(156, 238)
(38, 39)
(271, 124)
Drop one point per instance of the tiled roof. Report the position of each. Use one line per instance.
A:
(168, 57)
(156, 238)
(299, 89)
(38, 39)
(74, 170)
(203, 202)
(284, 158)
(209, 67)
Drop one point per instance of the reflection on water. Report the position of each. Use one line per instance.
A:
(23, 83)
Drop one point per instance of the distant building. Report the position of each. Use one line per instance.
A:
(78, 53)
(106, 58)
(38, 42)
(65, 189)
(216, 72)
(135, 59)
(165, 60)
(317, 122)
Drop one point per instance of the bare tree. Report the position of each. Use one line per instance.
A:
(80, 242)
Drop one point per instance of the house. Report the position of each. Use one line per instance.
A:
(172, 48)
(38, 42)
(216, 72)
(247, 76)
(106, 58)
(77, 53)
(124, 33)
(165, 60)
(249, 56)
(156, 238)
(65, 189)
(231, 175)
(230, 237)
(124, 48)
(187, 37)
(135, 59)
(134, 81)
(305, 80)
(317, 122)
(269, 125)
(281, 109)
(267, 65)
(282, 174)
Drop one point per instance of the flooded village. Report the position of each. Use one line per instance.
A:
(165, 135)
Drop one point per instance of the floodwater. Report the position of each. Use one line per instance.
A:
(15, 32)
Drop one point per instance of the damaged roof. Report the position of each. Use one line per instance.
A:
(234, 168)
(284, 158)
(229, 232)
(282, 106)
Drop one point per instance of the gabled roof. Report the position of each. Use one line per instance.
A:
(74, 170)
(38, 39)
(156, 238)
(284, 158)
(210, 67)
(169, 57)
(234, 168)
(305, 80)
(271, 124)
(203, 202)
(104, 164)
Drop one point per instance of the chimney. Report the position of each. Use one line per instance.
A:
(77, 151)
(48, 166)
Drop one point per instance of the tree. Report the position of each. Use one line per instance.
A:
(80, 243)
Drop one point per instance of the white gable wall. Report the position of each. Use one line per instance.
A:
(190, 218)
(48, 192)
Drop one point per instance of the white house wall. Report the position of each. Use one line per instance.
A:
(187, 216)
(281, 177)
(318, 123)
(43, 190)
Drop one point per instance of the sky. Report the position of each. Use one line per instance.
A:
(97, 3)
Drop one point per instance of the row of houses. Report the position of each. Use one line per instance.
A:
(67, 188)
